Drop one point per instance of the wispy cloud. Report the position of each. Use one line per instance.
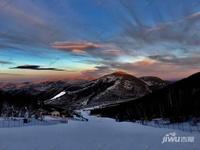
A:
(56, 33)
(75, 47)
(34, 29)
(98, 71)
(113, 52)
(164, 67)
(2, 62)
(167, 37)
(99, 51)
(167, 30)
(192, 61)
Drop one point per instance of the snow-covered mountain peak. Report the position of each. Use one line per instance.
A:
(118, 75)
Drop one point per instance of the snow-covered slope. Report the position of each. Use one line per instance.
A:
(59, 95)
(97, 134)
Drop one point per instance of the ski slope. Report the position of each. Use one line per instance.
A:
(96, 134)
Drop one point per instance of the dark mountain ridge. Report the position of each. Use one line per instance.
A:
(29, 94)
(154, 83)
(177, 101)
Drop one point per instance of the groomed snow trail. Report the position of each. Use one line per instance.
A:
(96, 134)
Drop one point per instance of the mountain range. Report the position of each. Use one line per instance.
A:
(111, 88)
(177, 101)
(118, 95)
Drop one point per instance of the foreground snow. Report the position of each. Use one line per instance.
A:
(96, 134)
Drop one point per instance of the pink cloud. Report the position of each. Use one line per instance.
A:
(114, 52)
(75, 47)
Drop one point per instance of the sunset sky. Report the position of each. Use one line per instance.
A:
(75, 39)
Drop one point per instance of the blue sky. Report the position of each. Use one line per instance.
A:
(72, 39)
